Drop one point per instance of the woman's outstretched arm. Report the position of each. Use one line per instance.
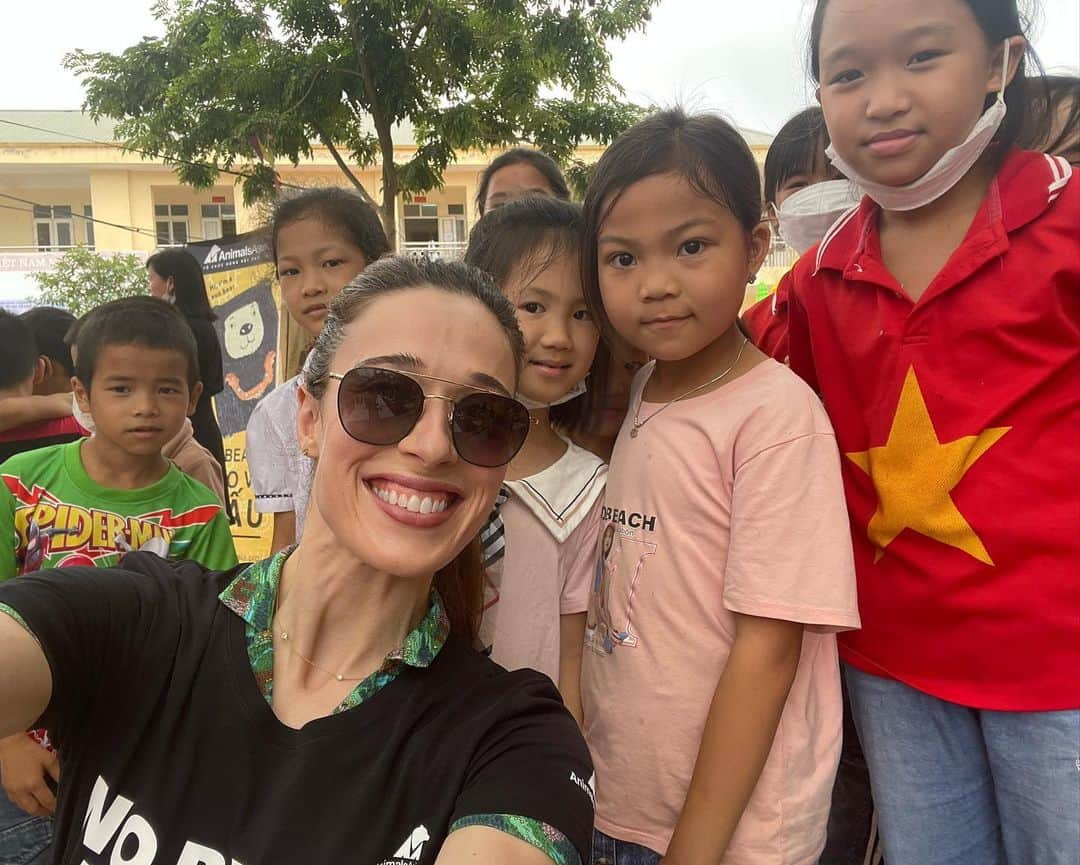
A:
(25, 677)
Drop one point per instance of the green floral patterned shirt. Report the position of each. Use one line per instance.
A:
(252, 596)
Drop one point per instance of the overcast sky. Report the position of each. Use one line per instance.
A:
(743, 57)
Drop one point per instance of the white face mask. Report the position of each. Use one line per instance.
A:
(946, 172)
(574, 392)
(806, 215)
(82, 417)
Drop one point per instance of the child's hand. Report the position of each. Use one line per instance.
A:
(24, 766)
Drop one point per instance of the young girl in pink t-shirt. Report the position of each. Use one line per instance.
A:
(538, 592)
(710, 684)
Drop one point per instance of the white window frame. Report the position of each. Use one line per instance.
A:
(216, 219)
(88, 212)
(53, 217)
(166, 218)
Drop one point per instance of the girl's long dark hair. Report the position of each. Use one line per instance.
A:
(189, 286)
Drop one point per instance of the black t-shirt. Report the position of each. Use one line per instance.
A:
(167, 744)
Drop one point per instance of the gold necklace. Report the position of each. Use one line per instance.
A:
(639, 423)
(341, 677)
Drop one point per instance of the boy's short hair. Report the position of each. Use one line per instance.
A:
(142, 321)
(50, 325)
(18, 351)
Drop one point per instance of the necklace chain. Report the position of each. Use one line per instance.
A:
(341, 677)
(639, 423)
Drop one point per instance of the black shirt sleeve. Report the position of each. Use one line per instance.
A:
(210, 365)
(101, 630)
(533, 763)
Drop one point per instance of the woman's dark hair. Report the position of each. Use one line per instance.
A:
(798, 148)
(189, 286)
(527, 236)
(522, 155)
(338, 209)
(460, 583)
(999, 19)
(1052, 124)
(704, 149)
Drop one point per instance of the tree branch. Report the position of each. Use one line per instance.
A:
(329, 144)
(421, 23)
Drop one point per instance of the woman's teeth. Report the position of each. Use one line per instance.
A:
(414, 503)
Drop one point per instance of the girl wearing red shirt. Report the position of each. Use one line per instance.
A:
(940, 321)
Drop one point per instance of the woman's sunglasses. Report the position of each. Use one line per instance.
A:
(381, 406)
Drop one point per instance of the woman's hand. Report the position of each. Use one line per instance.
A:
(24, 765)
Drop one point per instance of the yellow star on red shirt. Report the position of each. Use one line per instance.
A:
(914, 474)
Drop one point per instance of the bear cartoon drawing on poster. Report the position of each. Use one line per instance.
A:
(247, 327)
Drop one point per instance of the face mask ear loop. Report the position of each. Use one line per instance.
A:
(1004, 73)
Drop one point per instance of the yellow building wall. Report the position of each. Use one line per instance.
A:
(123, 188)
(17, 219)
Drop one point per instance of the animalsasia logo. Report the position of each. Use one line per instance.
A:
(412, 848)
(587, 787)
(219, 259)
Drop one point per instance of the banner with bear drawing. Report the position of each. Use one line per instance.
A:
(244, 294)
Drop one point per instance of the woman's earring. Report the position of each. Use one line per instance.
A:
(751, 279)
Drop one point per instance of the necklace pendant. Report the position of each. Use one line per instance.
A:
(285, 635)
(340, 677)
(633, 432)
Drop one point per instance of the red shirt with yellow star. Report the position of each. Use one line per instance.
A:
(959, 419)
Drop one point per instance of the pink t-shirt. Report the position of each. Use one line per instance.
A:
(730, 502)
(551, 520)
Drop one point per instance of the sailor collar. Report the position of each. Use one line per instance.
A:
(562, 495)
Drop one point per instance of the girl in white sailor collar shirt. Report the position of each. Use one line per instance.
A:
(538, 589)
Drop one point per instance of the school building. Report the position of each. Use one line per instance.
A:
(60, 168)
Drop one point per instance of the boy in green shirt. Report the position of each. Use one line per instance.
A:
(90, 501)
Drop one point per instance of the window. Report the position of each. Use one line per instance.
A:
(218, 220)
(421, 223)
(53, 226)
(88, 212)
(455, 209)
(171, 224)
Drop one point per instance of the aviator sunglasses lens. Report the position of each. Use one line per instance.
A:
(377, 406)
(489, 429)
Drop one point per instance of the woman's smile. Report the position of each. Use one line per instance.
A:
(414, 502)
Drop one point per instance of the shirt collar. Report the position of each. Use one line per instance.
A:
(251, 595)
(1024, 187)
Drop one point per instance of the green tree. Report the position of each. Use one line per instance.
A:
(242, 83)
(84, 279)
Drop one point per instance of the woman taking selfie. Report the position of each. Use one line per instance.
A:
(324, 705)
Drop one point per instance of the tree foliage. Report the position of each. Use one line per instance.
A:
(83, 279)
(238, 84)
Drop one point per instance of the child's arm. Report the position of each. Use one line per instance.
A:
(571, 645)
(739, 733)
(24, 767)
(16, 411)
(284, 531)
